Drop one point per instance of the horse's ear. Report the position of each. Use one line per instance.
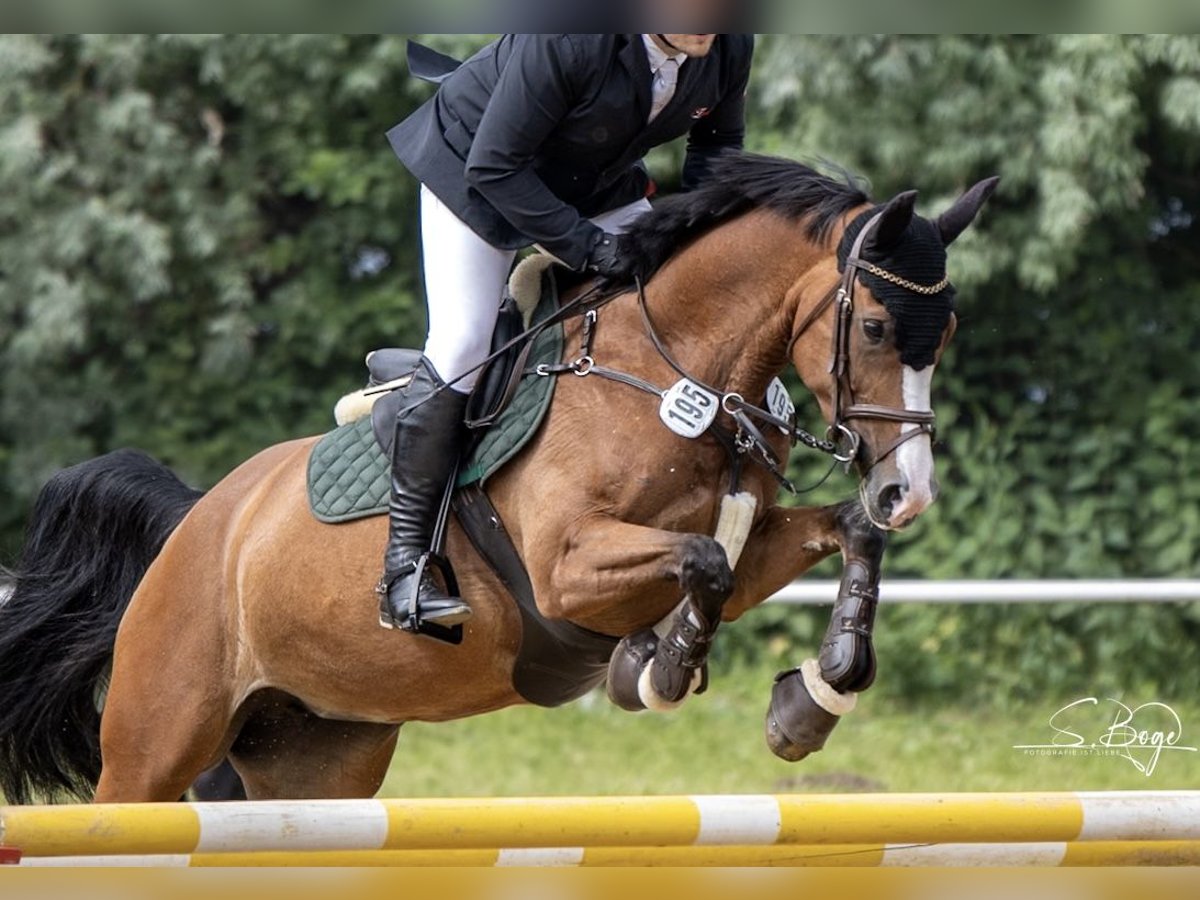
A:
(893, 221)
(955, 220)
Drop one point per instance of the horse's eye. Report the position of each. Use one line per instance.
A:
(874, 330)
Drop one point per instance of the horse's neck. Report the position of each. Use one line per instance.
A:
(726, 304)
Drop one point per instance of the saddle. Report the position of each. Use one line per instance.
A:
(494, 391)
(348, 468)
(348, 474)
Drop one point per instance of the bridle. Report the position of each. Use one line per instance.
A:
(748, 441)
(845, 410)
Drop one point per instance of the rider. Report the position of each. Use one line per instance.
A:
(537, 138)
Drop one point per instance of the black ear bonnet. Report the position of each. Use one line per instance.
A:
(917, 255)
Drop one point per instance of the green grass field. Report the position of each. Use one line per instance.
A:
(715, 745)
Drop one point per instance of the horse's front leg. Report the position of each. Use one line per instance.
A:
(680, 662)
(847, 656)
(616, 577)
(806, 702)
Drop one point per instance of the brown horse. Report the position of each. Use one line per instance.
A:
(253, 632)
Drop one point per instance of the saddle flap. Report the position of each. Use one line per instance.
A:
(498, 380)
(488, 399)
(383, 420)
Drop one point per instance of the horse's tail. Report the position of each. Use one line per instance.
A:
(94, 531)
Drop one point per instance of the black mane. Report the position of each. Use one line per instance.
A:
(736, 184)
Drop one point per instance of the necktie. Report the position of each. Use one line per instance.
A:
(665, 80)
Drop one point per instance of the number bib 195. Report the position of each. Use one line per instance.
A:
(688, 409)
(779, 404)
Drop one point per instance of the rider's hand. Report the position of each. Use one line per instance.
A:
(609, 259)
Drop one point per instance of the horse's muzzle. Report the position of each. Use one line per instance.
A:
(891, 503)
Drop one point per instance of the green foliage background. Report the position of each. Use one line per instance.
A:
(200, 235)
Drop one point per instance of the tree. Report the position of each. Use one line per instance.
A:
(202, 234)
(200, 238)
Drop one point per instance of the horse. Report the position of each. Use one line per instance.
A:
(234, 625)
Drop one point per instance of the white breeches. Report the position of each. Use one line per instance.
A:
(464, 283)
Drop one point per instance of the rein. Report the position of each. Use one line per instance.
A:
(734, 403)
(576, 306)
(841, 441)
(747, 440)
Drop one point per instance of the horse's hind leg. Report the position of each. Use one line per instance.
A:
(153, 750)
(286, 752)
(221, 782)
(167, 715)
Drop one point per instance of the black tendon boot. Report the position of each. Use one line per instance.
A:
(428, 439)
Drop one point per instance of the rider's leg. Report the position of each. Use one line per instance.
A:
(464, 284)
(464, 280)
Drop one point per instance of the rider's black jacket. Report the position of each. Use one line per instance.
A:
(535, 132)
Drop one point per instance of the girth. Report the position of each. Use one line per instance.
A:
(556, 661)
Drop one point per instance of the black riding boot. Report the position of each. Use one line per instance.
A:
(425, 450)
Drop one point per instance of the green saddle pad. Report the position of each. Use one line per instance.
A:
(348, 475)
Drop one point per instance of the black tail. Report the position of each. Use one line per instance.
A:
(95, 529)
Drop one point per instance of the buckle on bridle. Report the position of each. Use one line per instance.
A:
(835, 434)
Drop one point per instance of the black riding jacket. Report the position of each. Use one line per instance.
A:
(537, 132)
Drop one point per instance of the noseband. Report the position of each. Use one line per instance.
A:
(845, 410)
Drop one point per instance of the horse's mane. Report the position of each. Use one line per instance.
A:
(738, 183)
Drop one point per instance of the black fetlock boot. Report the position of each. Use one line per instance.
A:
(428, 440)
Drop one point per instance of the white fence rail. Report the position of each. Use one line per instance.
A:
(1148, 590)
(1066, 590)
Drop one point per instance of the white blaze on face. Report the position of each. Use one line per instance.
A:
(914, 458)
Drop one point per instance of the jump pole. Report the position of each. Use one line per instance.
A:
(1082, 853)
(581, 822)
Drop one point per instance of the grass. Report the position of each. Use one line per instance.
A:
(715, 745)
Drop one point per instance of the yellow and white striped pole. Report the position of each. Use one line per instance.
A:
(576, 823)
(1050, 853)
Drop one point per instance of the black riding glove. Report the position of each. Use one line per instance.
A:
(610, 259)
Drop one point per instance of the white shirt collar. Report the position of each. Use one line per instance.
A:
(656, 55)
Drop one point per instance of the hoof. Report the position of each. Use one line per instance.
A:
(631, 658)
(804, 711)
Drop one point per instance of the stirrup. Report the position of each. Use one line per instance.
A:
(413, 621)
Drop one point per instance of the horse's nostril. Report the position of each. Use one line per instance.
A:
(888, 498)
